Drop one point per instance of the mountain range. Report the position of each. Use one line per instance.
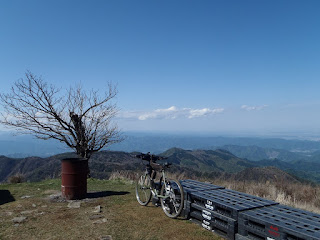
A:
(192, 163)
(197, 155)
(255, 153)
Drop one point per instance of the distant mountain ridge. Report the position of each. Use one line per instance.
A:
(264, 175)
(36, 168)
(205, 163)
(104, 162)
(207, 160)
(255, 153)
(24, 146)
(160, 143)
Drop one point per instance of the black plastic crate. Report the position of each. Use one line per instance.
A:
(240, 237)
(219, 224)
(211, 228)
(279, 222)
(186, 209)
(252, 234)
(191, 186)
(195, 186)
(228, 202)
(217, 220)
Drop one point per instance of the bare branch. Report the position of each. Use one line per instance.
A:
(81, 119)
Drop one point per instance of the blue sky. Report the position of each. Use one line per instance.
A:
(243, 67)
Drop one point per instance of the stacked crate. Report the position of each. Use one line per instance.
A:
(217, 210)
(213, 221)
(190, 187)
(279, 222)
(239, 216)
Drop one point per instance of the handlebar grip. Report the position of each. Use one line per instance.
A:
(167, 164)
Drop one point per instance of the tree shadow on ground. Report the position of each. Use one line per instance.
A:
(105, 194)
(6, 197)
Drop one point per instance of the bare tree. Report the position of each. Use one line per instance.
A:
(81, 119)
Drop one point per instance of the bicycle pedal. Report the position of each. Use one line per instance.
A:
(156, 201)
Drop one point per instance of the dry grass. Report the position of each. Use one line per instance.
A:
(125, 218)
(298, 195)
(124, 175)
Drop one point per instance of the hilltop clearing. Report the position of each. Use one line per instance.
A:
(34, 216)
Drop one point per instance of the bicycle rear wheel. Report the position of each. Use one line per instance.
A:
(143, 189)
(172, 203)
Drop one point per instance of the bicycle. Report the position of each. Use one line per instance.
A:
(169, 192)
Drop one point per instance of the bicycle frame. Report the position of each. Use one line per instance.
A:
(154, 190)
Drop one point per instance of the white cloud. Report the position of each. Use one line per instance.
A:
(253, 108)
(171, 113)
(203, 112)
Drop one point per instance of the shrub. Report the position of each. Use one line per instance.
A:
(18, 178)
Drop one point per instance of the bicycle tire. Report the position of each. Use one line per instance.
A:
(173, 202)
(143, 189)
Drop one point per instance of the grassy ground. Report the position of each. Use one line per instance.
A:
(121, 217)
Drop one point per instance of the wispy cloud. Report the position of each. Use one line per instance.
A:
(171, 113)
(253, 108)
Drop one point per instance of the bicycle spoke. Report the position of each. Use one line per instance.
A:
(176, 210)
(145, 193)
(143, 190)
(172, 205)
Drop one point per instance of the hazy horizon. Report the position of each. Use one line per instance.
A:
(311, 136)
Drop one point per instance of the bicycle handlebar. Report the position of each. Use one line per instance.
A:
(167, 165)
(149, 157)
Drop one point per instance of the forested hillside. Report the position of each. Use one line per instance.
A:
(198, 163)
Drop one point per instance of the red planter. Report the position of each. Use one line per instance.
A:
(74, 178)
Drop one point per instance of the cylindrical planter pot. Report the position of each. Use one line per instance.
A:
(74, 178)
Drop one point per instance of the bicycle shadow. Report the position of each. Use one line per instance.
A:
(151, 205)
(105, 194)
(6, 197)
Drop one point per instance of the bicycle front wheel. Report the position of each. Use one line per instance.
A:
(173, 198)
(143, 189)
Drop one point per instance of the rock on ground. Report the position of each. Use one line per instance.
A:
(108, 237)
(103, 220)
(19, 219)
(97, 216)
(28, 212)
(26, 196)
(97, 209)
(74, 205)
